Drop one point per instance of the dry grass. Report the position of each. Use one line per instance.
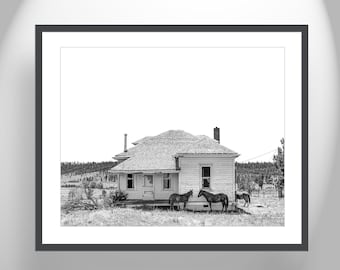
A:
(263, 211)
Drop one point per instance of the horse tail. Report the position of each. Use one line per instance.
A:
(226, 200)
(249, 198)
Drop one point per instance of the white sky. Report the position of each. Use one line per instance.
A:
(106, 92)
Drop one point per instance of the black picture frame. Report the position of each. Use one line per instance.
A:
(40, 29)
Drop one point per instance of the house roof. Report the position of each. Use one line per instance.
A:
(141, 140)
(205, 145)
(157, 153)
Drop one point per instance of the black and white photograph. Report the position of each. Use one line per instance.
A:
(172, 128)
(177, 159)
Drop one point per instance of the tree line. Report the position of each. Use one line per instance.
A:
(86, 167)
(265, 169)
(248, 174)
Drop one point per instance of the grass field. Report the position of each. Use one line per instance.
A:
(263, 211)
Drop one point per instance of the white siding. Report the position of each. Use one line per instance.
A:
(133, 194)
(159, 193)
(222, 175)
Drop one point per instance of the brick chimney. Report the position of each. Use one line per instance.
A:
(217, 134)
(125, 142)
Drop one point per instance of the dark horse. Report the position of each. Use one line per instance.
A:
(179, 198)
(243, 195)
(214, 198)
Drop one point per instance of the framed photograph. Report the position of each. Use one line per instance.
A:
(172, 137)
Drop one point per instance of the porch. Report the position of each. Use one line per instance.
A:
(196, 206)
(148, 186)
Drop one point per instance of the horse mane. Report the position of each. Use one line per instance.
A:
(187, 193)
(204, 191)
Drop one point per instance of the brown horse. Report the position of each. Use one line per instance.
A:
(214, 198)
(178, 198)
(243, 195)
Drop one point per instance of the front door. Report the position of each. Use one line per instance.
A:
(148, 188)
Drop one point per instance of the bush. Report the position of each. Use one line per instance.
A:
(113, 197)
(118, 196)
(71, 195)
(107, 202)
(75, 194)
(89, 193)
(92, 184)
(99, 185)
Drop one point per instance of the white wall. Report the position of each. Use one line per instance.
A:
(222, 175)
(133, 194)
(159, 193)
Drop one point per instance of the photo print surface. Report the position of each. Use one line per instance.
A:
(175, 131)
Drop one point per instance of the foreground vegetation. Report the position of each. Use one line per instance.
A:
(265, 210)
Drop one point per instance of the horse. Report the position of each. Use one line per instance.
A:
(214, 198)
(243, 195)
(175, 197)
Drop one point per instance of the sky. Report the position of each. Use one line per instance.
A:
(107, 92)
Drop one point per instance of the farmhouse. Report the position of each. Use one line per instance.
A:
(175, 162)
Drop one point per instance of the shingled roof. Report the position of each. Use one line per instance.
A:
(157, 153)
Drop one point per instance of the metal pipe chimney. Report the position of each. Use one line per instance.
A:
(217, 134)
(125, 142)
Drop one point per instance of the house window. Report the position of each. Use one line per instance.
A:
(130, 181)
(166, 181)
(206, 177)
(148, 180)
